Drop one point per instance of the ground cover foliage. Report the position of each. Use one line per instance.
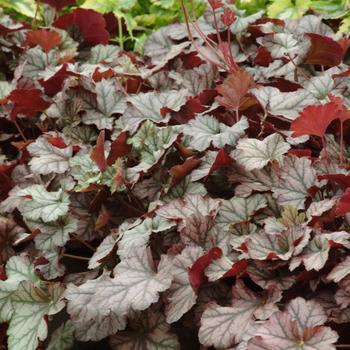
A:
(193, 197)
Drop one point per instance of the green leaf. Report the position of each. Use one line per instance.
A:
(109, 5)
(18, 268)
(284, 9)
(90, 321)
(205, 129)
(151, 143)
(345, 25)
(44, 205)
(330, 8)
(24, 301)
(109, 100)
(48, 159)
(138, 236)
(148, 331)
(24, 7)
(35, 61)
(5, 88)
(104, 53)
(62, 338)
(85, 171)
(53, 234)
(148, 106)
(251, 6)
(255, 154)
(31, 304)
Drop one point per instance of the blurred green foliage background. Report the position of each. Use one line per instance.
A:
(141, 17)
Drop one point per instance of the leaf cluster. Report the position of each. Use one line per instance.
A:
(198, 192)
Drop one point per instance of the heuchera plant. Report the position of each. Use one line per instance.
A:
(195, 197)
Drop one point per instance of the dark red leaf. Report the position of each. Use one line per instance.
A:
(133, 85)
(344, 113)
(300, 152)
(91, 24)
(345, 44)
(285, 85)
(59, 4)
(4, 30)
(215, 4)
(342, 180)
(3, 276)
(98, 152)
(222, 160)
(119, 148)
(54, 84)
(188, 110)
(98, 76)
(178, 172)
(111, 23)
(196, 271)
(57, 141)
(191, 60)
(263, 58)
(6, 185)
(41, 260)
(343, 205)
(234, 89)
(314, 120)
(103, 218)
(227, 17)
(46, 39)
(324, 51)
(237, 268)
(28, 102)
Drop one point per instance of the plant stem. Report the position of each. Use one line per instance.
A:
(341, 143)
(87, 245)
(19, 130)
(78, 257)
(120, 33)
(324, 146)
(298, 68)
(216, 27)
(237, 114)
(35, 15)
(187, 22)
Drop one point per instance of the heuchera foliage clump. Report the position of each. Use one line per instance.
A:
(196, 195)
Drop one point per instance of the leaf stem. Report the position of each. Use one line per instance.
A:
(35, 14)
(324, 146)
(78, 257)
(190, 36)
(298, 68)
(120, 33)
(87, 245)
(216, 27)
(237, 114)
(341, 143)
(19, 130)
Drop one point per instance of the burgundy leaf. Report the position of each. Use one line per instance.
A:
(98, 152)
(178, 172)
(119, 148)
(196, 271)
(28, 102)
(54, 84)
(46, 39)
(91, 24)
(343, 205)
(314, 120)
(324, 51)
